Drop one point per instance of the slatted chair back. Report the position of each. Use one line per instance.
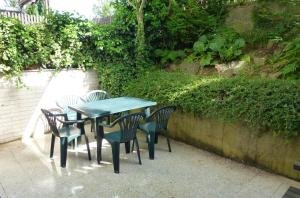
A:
(68, 100)
(96, 95)
(161, 117)
(51, 118)
(128, 125)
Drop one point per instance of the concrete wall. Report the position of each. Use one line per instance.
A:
(238, 142)
(20, 107)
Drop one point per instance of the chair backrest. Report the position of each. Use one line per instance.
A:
(68, 100)
(96, 95)
(51, 118)
(128, 125)
(161, 117)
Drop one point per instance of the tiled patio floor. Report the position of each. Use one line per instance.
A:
(27, 171)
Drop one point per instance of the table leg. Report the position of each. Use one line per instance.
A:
(100, 133)
(78, 116)
(151, 143)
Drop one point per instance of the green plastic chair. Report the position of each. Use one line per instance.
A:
(66, 101)
(96, 95)
(67, 133)
(156, 124)
(127, 131)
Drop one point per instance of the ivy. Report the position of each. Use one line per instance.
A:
(270, 105)
(63, 41)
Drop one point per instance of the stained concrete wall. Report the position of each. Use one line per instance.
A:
(20, 107)
(238, 142)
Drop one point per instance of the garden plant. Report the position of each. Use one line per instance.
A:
(133, 53)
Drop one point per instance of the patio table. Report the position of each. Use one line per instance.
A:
(97, 110)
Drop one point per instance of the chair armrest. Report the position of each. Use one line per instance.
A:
(64, 115)
(112, 124)
(116, 121)
(108, 125)
(60, 114)
(71, 122)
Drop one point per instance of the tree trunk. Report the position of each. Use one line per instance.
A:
(140, 37)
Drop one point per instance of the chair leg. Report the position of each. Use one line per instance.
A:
(63, 151)
(108, 120)
(115, 147)
(76, 143)
(169, 145)
(88, 146)
(73, 144)
(52, 145)
(138, 150)
(127, 147)
(132, 147)
(151, 145)
(156, 138)
(92, 125)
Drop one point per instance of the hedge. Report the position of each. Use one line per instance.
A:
(269, 105)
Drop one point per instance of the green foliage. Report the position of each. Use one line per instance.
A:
(288, 60)
(115, 76)
(266, 104)
(187, 21)
(63, 41)
(103, 8)
(169, 56)
(69, 41)
(179, 23)
(13, 42)
(256, 38)
(37, 8)
(223, 46)
(273, 20)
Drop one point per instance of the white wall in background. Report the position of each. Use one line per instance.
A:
(20, 107)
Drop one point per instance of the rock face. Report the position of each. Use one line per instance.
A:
(240, 18)
(230, 69)
(190, 68)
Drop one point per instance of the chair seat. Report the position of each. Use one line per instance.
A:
(70, 132)
(113, 136)
(148, 127)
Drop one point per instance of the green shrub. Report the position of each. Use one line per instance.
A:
(187, 21)
(223, 46)
(178, 24)
(169, 56)
(288, 60)
(256, 38)
(275, 23)
(62, 41)
(115, 76)
(266, 104)
(15, 42)
(68, 41)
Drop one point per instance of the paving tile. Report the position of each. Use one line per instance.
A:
(27, 171)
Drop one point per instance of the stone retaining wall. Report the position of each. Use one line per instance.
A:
(20, 107)
(238, 142)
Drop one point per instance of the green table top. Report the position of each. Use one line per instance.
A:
(110, 106)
